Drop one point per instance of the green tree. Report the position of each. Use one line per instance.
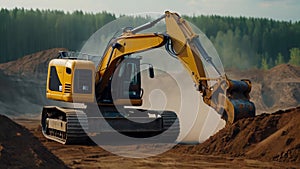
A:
(279, 60)
(25, 31)
(264, 63)
(295, 56)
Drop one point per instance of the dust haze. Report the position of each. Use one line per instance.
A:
(172, 89)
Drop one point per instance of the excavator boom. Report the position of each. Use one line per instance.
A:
(228, 97)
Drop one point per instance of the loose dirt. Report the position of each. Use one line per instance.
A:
(267, 137)
(20, 149)
(35, 64)
(23, 82)
(266, 141)
(274, 89)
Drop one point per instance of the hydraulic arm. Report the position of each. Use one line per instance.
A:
(228, 97)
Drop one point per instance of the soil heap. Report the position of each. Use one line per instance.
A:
(270, 137)
(23, 84)
(20, 149)
(31, 65)
(274, 89)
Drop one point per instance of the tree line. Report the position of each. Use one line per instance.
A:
(25, 31)
(252, 42)
(241, 42)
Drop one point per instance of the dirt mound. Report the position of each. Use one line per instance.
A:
(271, 137)
(23, 82)
(22, 96)
(20, 149)
(274, 89)
(281, 87)
(283, 72)
(29, 65)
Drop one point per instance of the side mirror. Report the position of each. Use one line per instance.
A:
(151, 71)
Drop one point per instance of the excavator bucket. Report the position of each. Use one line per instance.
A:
(237, 104)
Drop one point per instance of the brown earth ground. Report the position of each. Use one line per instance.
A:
(19, 148)
(266, 141)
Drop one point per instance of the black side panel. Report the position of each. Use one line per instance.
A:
(54, 81)
(83, 81)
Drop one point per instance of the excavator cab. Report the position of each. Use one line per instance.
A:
(127, 80)
(124, 86)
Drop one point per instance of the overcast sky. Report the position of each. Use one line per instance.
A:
(275, 9)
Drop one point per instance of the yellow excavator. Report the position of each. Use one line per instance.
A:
(81, 81)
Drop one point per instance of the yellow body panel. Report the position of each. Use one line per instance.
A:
(65, 90)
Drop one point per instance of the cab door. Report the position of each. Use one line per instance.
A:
(127, 80)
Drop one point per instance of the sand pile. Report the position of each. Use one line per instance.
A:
(274, 89)
(23, 81)
(31, 65)
(281, 87)
(271, 137)
(20, 149)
